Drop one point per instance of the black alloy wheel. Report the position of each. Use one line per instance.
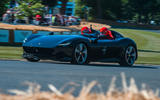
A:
(80, 54)
(128, 57)
(33, 59)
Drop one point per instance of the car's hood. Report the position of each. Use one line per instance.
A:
(49, 41)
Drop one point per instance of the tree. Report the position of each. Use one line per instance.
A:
(145, 9)
(142, 11)
(127, 10)
(63, 8)
(12, 3)
(78, 8)
(112, 9)
(81, 9)
(29, 8)
(106, 9)
(49, 3)
(3, 6)
(99, 8)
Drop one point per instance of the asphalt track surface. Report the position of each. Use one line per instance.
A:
(14, 73)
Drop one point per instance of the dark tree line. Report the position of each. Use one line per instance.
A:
(3, 6)
(138, 10)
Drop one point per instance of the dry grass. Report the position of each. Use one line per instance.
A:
(52, 28)
(130, 92)
(30, 27)
(95, 26)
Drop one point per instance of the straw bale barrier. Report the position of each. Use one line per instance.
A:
(130, 92)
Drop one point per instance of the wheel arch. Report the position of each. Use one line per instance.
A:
(125, 42)
(80, 40)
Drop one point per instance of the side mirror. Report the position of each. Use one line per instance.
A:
(96, 40)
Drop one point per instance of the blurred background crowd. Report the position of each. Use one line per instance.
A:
(39, 12)
(46, 19)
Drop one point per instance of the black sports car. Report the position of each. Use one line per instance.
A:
(81, 49)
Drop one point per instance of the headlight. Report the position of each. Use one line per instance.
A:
(65, 44)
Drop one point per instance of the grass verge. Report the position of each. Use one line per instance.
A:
(10, 52)
(148, 44)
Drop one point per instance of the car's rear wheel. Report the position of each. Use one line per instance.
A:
(80, 54)
(128, 56)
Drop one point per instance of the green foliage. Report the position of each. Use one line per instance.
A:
(141, 11)
(3, 6)
(144, 8)
(102, 8)
(78, 9)
(50, 3)
(108, 14)
(29, 8)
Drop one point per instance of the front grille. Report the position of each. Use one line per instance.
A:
(37, 50)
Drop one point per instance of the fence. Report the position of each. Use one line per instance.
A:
(12, 37)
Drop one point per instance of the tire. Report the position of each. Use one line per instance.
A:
(35, 59)
(128, 56)
(80, 54)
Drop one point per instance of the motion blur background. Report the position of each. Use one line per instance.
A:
(122, 11)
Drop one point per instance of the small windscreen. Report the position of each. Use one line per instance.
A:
(116, 34)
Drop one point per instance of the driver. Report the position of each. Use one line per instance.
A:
(106, 32)
(85, 30)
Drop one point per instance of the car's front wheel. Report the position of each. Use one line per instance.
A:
(128, 56)
(33, 59)
(80, 54)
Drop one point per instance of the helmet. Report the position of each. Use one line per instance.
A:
(103, 29)
(85, 30)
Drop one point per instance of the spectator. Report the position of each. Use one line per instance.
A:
(38, 19)
(5, 18)
(53, 19)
